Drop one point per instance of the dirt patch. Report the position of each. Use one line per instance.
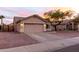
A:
(11, 39)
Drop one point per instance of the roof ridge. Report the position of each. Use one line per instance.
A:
(34, 15)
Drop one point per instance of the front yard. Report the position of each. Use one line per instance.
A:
(11, 39)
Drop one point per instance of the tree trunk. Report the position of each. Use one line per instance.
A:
(51, 26)
(55, 27)
(1, 24)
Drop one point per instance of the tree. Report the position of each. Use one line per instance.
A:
(1, 17)
(56, 17)
(76, 19)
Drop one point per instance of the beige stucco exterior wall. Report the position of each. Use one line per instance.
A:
(16, 24)
(20, 27)
(33, 20)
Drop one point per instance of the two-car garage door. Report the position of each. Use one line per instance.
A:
(33, 28)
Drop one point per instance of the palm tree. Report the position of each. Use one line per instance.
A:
(56, 17)
(1, 17)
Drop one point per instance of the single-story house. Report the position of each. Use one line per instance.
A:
(65, 25)
(32, 23)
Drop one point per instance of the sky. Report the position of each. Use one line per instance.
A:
(10, 12)
(38, 7)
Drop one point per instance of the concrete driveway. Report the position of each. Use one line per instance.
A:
(44, 37)
(53, 36)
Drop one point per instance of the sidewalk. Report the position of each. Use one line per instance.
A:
(44, 46)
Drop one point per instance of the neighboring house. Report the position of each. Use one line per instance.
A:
(32, 23)
(67, 25)
(8, 27)
(64, 25)
(5, 28)
(76, 25)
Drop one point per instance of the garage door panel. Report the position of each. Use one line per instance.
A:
(33, 28)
